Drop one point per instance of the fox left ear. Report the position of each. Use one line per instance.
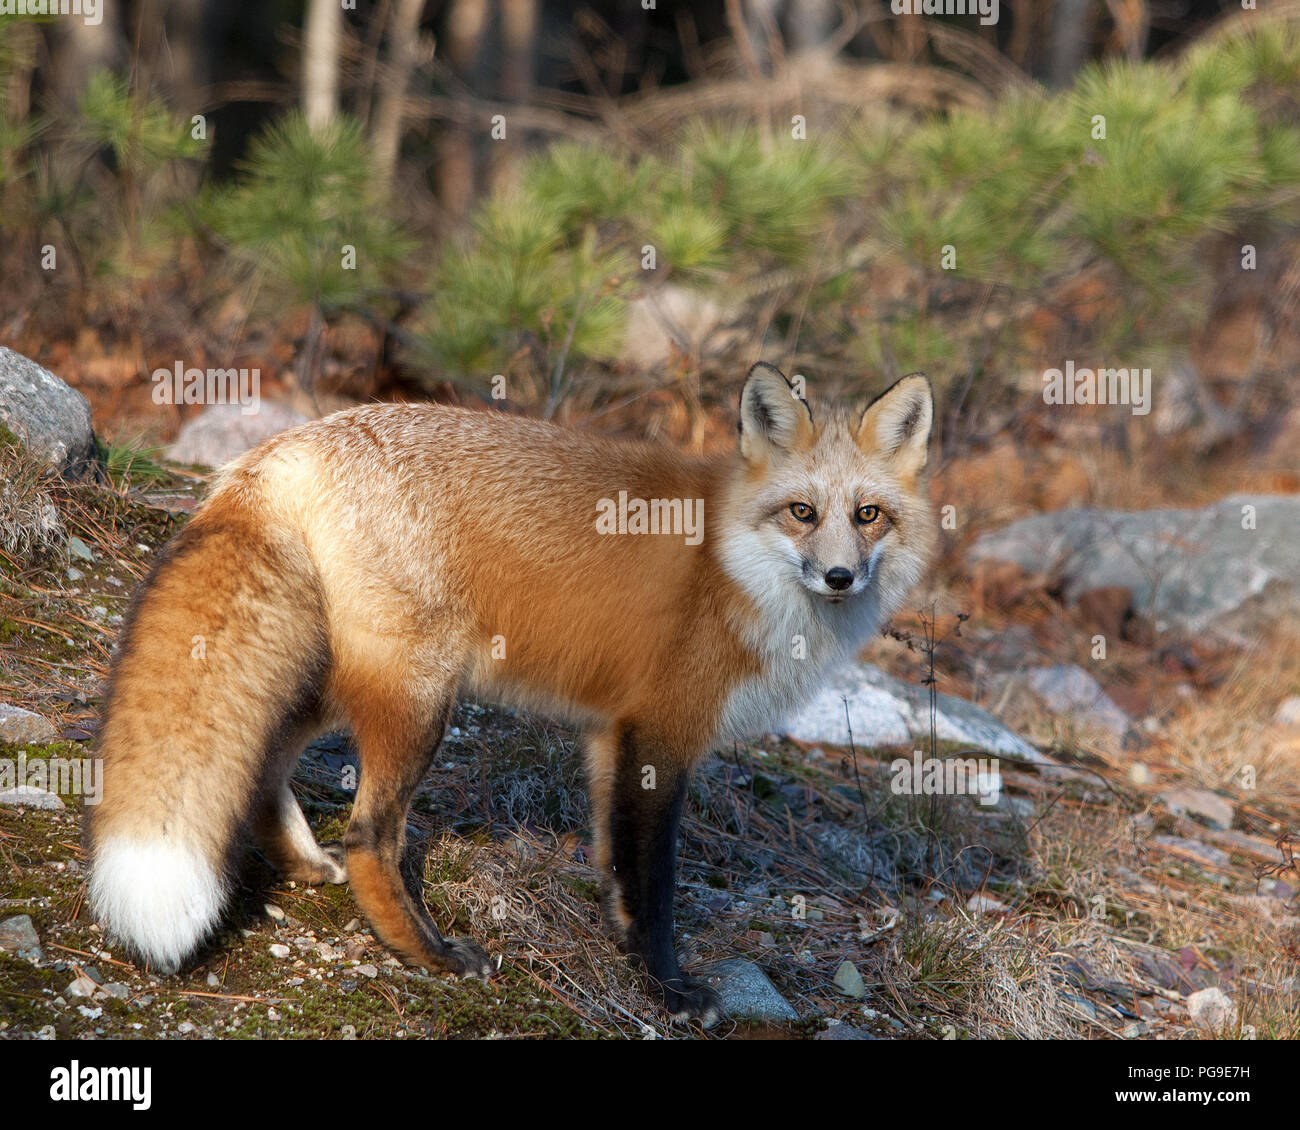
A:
(774, 418)
(897, 423)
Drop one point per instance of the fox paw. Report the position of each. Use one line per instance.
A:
(328, 866)
(336, 857)
(465, 959)
(690, 998)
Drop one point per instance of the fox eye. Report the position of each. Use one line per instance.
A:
(868, 514)
(803, 511)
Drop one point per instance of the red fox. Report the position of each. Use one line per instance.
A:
(365, 569)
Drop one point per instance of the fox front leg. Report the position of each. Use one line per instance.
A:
(642, 812)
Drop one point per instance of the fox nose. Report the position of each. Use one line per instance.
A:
(839, 579)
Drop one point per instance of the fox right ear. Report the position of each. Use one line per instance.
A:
(774, 418)
(897, 423)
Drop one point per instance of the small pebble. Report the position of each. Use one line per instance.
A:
(81, 987)
(849, 981)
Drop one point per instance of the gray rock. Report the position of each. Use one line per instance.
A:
(1081, 1005)
(1211, 1008)
(746, 992)
(1288, 711)
(81, 987)
(1065, 689)
(1197, 571)
(1200, 802)
(28, 796)
(50, 419)
(845, 1032)
(20, 727)
(1018, 806)
(18, 936)
(1276, 888)
(222, 432)
(78, 548)
(1010, 649)
(1194, 851)
(889, 711)
(849, 981)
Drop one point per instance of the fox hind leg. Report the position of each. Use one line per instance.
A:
(279, 827)
(285, 837)
(398, 731)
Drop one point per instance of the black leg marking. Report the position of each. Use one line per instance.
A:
(645, 814)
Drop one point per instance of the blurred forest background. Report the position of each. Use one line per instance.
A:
(617, 209)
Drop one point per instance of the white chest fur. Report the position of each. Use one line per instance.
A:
(799, 638)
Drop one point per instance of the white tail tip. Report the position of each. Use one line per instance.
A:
(159, 897)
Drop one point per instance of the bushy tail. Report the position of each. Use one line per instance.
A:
(224, 652)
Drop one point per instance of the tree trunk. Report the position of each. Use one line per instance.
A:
(185, 54)
(81, 49)
(394, 79)
(1071, 25)
(466, 24)
(518, 47)
(320, 63)
(811, 24)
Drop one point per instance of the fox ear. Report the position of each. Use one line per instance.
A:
(897, 423)
(774, 418)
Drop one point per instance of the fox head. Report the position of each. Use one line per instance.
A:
(832, 501)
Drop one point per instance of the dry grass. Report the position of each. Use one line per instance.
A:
(30, 523)
(1226, 739)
